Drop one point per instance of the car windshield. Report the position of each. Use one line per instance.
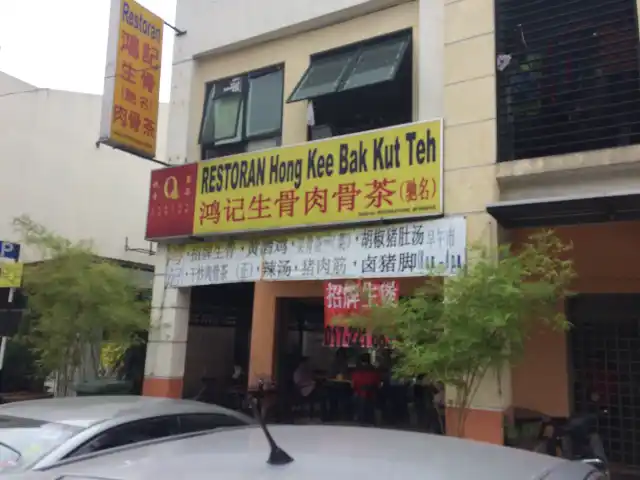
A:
(24, 441)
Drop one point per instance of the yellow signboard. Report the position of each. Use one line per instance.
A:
(381, 174)
(11, 274)
(132, 83)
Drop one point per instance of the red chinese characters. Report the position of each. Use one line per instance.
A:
(134, 119)
(172, 202)
(418, 189)
(380, 194)
(343, 298)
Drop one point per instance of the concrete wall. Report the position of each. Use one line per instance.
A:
(51, 170)
(606, 260)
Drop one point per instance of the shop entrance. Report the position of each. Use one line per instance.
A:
(300, 332)
(604, 346)
(217, 358)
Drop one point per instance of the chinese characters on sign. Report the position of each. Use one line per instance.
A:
(132, 80)
(390, 251)
(345, 298)
(171, 198)
(389, 173)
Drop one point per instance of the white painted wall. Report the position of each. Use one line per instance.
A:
(51, 170)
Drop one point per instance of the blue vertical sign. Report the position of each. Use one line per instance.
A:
(9, 250)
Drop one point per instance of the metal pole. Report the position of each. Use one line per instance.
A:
(3, 345)
(179, 32)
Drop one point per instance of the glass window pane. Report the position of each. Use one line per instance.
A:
(227, 117)
(264, 108)
(323, 76)
(201, 422)
(206, 135)
(377, 63)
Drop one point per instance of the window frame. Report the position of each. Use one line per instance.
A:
(191, 416)
(356, 50)
(240, 146)
(77, 452)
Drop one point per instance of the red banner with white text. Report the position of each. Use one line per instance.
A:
(343, 298)
(171, 202)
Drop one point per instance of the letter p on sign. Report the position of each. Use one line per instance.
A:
(9, 250)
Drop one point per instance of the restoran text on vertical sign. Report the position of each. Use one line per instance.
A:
(132, 80)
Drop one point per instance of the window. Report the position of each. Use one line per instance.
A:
(133, 432)
(359, 87)
(567, 76)
(241, 110)
(25, 441)
(206, 421)
(367, 64)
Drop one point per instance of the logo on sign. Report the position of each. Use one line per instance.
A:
(171, 188)
(9, 250)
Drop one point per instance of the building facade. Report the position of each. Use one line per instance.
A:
(539, 107)
(53, 172)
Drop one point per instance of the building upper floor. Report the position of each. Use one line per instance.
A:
(53, 171)
(538, 99)
(564, 74)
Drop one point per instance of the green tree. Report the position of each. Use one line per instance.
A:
(76, 302)
(457, 330)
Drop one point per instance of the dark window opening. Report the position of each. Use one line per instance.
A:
(199, 422)
(360, 87)
(241, 113)
(567, 77)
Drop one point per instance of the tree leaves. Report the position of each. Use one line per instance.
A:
(76, 299)
(455, 330)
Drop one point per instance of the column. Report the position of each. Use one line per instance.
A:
(263, 331)
(470, 173)
(167, 345)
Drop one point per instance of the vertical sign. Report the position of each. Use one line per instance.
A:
(346, 297)
(132, 79)
(171, 201)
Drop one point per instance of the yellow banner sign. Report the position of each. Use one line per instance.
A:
(132, 84)
(11, 275)
(381, 174)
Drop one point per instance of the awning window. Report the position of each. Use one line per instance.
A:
(368, 64)
(322, 77)
(224, 113)
(377, 63)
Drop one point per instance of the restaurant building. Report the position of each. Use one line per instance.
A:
(501, 125)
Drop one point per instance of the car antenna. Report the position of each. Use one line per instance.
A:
(277, 455)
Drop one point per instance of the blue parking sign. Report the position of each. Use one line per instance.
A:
(9, 250)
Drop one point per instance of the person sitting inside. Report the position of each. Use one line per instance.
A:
(340, 366)
(365, 381)
(307, 386)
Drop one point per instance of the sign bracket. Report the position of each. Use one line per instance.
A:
(179, 32)
(149, 251)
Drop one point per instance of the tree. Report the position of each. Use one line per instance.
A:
(76, 302)
(457, 330)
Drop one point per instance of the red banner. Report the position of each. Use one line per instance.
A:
(172, 201)
(345, 297)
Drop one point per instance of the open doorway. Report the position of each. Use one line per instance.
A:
(217, 358)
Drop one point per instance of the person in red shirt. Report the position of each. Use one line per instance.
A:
(365, 381)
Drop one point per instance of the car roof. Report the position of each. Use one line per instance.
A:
(91, 410)
(319, 452)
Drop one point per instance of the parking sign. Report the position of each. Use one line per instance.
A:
(9, 250)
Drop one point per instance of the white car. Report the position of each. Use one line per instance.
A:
(36, 434)
(316, 453)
